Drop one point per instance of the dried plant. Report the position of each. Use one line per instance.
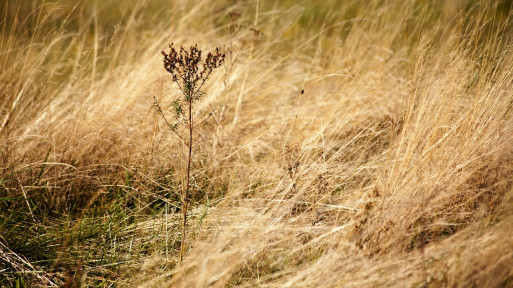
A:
(190, 73)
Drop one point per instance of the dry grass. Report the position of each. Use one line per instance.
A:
(392, 169)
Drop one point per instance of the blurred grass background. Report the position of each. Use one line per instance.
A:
(398, 149)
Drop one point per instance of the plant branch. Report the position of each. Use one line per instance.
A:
(156, 103)
(204, 120)
(204, 80)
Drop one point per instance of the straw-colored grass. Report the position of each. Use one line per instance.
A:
(353, 144)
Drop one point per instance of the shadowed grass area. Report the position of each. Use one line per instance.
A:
(350, 144)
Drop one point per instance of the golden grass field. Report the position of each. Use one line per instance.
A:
(392, 169)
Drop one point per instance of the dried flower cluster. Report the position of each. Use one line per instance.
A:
(187, 68)
(234, 27)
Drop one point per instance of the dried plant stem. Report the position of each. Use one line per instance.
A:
(186, 67)
(185, 196)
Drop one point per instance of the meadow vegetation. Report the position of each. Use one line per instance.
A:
(347, 144)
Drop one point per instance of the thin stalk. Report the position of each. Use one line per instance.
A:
(185, 197)
(187, 68)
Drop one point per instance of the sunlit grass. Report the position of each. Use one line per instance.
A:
(351, 144)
